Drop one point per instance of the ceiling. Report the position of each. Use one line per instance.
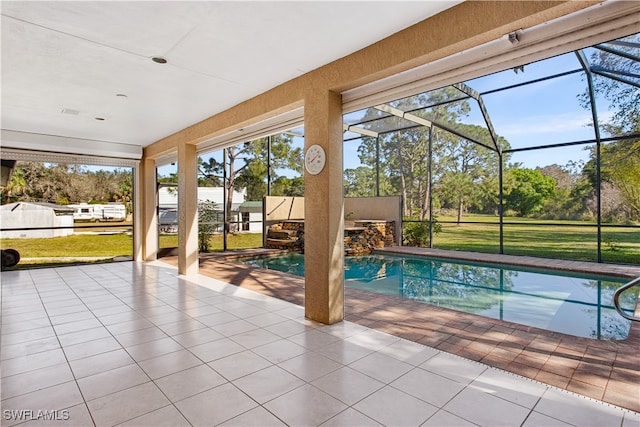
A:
(84, 69)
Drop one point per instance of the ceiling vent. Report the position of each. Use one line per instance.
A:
(70, 111)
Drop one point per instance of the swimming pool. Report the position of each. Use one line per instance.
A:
(573, 304)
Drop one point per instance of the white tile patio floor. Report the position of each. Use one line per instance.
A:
(135, 344)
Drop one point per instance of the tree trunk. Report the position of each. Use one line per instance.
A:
(407, 200)
(427, 201)
(230, 186)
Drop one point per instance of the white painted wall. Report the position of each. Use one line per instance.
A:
(255, 227)
(169, 199)
(28, 215)
(215, 194)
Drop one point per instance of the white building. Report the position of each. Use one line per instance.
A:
(168, 196)
(99, 212)
(27, 220)
(245, 216)
(251, 213)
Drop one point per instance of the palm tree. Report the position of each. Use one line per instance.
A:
(16, 185)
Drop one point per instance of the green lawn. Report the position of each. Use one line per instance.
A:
(76, 245)
(110, 245)
(620, 245)
(234, 241)
(569, 241)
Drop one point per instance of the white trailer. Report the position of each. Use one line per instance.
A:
(99, 212)
(83, 212)
(114, 212)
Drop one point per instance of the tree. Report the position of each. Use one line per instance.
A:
(359, 182)
(619, 175)
(619, 179)
(623, 98)
(620, 166)
(468, 170)
(567, 202)
(529, 190)
(408, 168)
(209, 173)
(123, 192)
(47, 183)
(620, 160)
(291, 187)
(15, 187)
(561, 174)
(456, 188)
(403, 156)
(234, 155)
(246, 166)
(284, 157)
(65, 184)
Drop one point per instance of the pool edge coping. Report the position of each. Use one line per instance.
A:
(586, 267)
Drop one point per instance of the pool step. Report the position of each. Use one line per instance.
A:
(282, 243)
(283, 234)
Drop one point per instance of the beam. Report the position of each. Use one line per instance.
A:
(360, 130)
(402, 114)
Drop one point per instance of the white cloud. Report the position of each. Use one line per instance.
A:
(578, 124)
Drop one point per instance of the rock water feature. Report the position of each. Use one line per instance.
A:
(287, 234)
(361, 237)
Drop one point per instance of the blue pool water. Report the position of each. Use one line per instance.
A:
(568, 303)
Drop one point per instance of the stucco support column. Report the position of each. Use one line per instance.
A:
(147, 210)
(137, 204)
(187, 210)
(323, 211)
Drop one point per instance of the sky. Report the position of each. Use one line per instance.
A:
(542, 113)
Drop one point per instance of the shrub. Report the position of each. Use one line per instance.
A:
(207, 225)
(417, 233)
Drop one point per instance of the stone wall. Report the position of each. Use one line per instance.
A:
(361, 237)
(367, 235)
(286, 235)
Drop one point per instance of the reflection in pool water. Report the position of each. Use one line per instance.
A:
(567, 303)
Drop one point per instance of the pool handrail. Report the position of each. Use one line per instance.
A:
(616, 297)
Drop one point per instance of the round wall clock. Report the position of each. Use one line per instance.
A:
(315, 159)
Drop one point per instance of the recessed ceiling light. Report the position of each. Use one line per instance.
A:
(159, 60)
(121, 95)
(100, 118)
